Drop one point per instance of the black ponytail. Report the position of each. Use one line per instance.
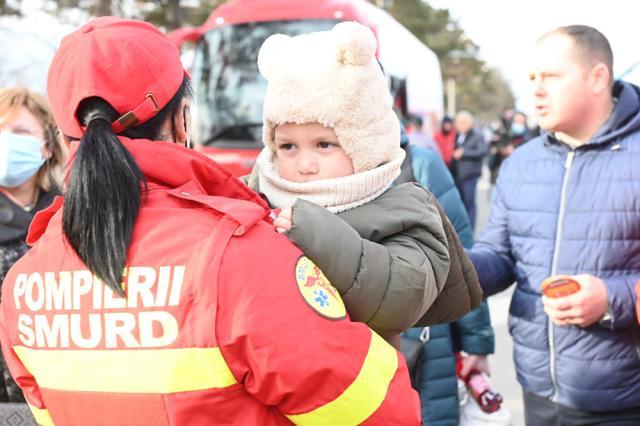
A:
(105, 187)
(103, 196)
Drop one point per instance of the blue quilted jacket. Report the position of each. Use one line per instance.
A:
(560, 210)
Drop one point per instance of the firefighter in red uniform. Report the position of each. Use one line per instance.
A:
(158, 293)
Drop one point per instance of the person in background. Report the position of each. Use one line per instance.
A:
(473, 334)
(417, 136)
(468, 157)
(566, 203)
(31, 166)
(506, 140)
(519, 129)
(175, 300)
(446, 139)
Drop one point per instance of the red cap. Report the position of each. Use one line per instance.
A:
(130, 64)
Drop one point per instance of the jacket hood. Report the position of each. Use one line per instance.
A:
(14, 220)
(626, 114)
(171, 166)
(624, 120)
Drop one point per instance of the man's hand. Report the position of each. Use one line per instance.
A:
(506, 150)
(474, 362)
(283, 222)
(458, 153)
(583, 308)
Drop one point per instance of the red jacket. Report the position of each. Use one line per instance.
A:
(447, 144)
(225, 321)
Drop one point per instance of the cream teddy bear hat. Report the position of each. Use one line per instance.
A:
(332, 78)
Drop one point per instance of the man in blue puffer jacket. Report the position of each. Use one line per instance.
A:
(473, 332)
(568, 202)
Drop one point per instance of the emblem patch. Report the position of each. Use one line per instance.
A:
(317, 291)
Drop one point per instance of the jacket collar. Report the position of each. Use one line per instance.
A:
(188, 175)
(14, 220)
(624, 120)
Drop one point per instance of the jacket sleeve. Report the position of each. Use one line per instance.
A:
(18, 371)
(491, 254)
(432, 173)
(473, 332)
(387, 280)
(622, 299)
(461, 292)
(312, 368)
(476, 147)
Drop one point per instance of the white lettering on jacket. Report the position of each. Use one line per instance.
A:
(49, 309)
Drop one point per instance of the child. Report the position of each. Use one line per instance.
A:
(332, 151)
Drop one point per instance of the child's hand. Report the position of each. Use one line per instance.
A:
(474, 362)
(283, 222)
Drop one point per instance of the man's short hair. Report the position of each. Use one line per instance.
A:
(466, 115)
(591, 45)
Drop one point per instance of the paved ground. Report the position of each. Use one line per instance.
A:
(12, 414)
(503, 371)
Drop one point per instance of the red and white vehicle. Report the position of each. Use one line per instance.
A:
(230, 90)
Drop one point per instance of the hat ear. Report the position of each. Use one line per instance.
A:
(356, 44)
(270, 54)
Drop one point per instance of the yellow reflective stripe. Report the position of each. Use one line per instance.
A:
(41, 415)
(364, 396)
(128, 371)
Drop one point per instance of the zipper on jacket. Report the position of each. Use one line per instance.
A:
(554, 265)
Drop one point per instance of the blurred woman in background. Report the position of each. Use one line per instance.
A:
(31, 165)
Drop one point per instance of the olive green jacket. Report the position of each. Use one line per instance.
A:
(389, 259)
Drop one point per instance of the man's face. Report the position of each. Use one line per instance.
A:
(560, 85)
(520, 119)
(463, 123)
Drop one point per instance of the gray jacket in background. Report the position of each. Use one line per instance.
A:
(475, 148)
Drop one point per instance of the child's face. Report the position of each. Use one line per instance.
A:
(310, 151)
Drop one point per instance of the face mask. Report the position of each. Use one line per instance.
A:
(20, 158)
(518, 129)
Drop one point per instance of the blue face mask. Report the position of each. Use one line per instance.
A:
(20, 158)
(518, 129)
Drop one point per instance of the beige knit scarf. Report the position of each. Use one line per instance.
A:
(336, 195)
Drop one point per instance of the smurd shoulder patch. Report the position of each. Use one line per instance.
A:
(317, 291)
